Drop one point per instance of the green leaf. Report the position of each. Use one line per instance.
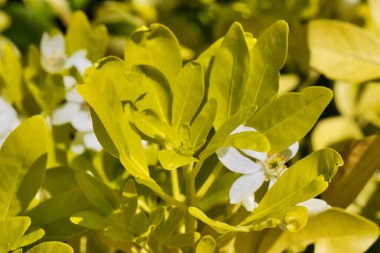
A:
(267, 58)
(11, 75)
(229, 74)
(327, 234)
(150, 124)
(181, 240)
(171, 160)
(30, 237)
(206, 245)
(92, 220)
(368, 106)
(158, 93)
(57, 210)
(334, 131)
(202, 124)
(155, 46)
(227, 127)
(290, 117)
(98, 193)
(51, 247)
(106, 104)
(304, 180)
(374, 6)
(80, 35)
(187, 94)
(129, 201)
(361, 162)
(343, 51)
(12, 229)
(168, 226)
(244, 140)
(23, 159)
(218, 226)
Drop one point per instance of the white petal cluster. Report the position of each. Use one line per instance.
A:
(8, 119)
(75, 110)
(258, 167)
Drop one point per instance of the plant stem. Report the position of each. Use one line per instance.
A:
(209, 181)
(190, 196)
(175, 185)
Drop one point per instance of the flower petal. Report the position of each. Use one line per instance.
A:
(242, 128)
(315, 206)
(291, 151)
(69, 82)
(91, 142)
(245, 186)
(249, 203)
(79, 60)
(65, 113)
(8, 117)
(236, 162)
(82, 121)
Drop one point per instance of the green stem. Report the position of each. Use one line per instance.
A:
(175, 185)
(209, 181)
(190, 196)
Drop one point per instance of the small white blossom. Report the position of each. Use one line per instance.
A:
(54, 58)
(8, 120)
(258, 167)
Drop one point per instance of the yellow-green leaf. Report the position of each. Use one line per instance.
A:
(206, 245)
(51, 247)
(327, 234)
(343, 51)
(171, 160)
(156, 46)
(229, 74)
(267, 58)
(187, 94)
(23, 159)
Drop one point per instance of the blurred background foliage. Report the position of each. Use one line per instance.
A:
(350, 124)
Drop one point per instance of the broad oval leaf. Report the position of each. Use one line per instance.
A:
(327, 234)
(343, 51)
(98, 193)
(51, 247)
(171, 160)
(267, 58)
(229, 74)
(155, 46)
(188, 94)
(12, 230)
(290, 117)
(23, 159)
(304, 180)
(206, 245)
(81, 35)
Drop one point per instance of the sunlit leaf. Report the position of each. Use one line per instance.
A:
(327, 234)
(23, 159)
(290, 117)
(343, 51)
(304, 180)
(171, 160)
(187, 94)
(51, 247)
(361, 161)
(98, 193)
(12, 229)
(333, 131)
(155, 46)
(81, 35)
(182, 240)
(374, 6)
(202, 124)
(267, 58)
(11, 75)
(219, 226)
(229, 74)
(369, 105)
(206, 245)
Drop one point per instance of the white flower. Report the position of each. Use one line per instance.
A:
(8, 120)
(54, 58)
(75, 111)
(258, 167)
